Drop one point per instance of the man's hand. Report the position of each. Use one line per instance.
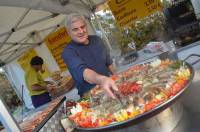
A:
(51, 89)
(108, 85)
(105, 82)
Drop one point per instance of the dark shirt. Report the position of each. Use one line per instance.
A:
(78, 57)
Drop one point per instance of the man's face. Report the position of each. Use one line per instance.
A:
(37, 67)
(78, 32)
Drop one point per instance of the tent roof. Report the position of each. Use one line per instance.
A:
(19, 18)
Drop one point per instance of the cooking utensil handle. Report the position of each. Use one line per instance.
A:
(118, 98)
(191, 55)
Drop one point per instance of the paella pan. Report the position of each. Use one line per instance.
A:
(144, 91)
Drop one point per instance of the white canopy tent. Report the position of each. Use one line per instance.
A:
(19, 18)
(19, 21)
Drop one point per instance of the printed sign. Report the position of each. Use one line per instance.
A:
(56, 42)
(127, 11)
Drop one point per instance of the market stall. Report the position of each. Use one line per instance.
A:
(158, 102)
(149, 84)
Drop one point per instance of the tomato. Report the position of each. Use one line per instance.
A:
(182, 82)
(152, 104)
(134, 87)
(84, 104)
(129, 88)
(177, 86)
(167, 93)
(110, 115)
(87, 122)
(84, 123)
(149, 106)
(70, 104)
(114, 77)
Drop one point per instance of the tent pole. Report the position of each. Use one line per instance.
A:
(1, 53)
(7, 119)
(11, 59)
(16, 50)
(16, 43)
(37, 21)
(15, 26)
(13, 53)
(4, 52)
(22, 17)
(29, 24)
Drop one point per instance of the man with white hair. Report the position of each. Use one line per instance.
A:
(87, 58)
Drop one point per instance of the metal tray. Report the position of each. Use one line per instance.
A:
(45, 120)
(146, 115)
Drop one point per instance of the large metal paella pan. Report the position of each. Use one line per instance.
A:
(147, 113)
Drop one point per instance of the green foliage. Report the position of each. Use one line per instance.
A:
(166, 3)
(8, 93)
(142, 31)
(150, 28)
